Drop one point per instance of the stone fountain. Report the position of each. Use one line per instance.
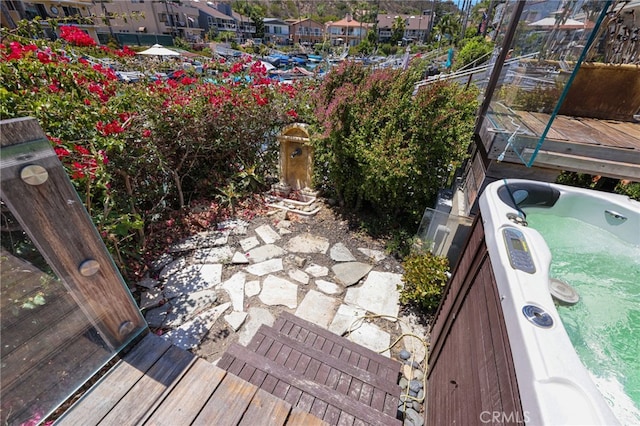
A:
(293, 192)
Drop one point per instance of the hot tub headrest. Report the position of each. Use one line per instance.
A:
(528, 194)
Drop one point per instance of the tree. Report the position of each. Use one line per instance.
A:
(397, 30)
(448, 28)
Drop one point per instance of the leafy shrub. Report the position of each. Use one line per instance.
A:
(425, 276)
(582, 180)
(474, 49)
(138, 152)
(384, 149)
(630, 189)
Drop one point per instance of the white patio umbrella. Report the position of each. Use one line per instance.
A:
(159, 50)
(551, 22)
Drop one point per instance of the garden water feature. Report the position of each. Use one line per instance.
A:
(293, 191)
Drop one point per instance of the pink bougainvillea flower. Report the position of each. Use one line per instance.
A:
(81, 150)
(76, 36)
(61, 152)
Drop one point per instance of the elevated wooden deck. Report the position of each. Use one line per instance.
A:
(159, 384)
(586, 145)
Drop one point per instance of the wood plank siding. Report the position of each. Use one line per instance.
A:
(471, 370)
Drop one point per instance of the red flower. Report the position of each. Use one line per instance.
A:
(146, 133)
(292, 113)
(78, 171)
(81, 150)
(260, 100)
(110, 128)
(76, 36)
(187, 81)
(237, 67)
(55, 140)
(44, 58)
(54, 86)
(61, 152)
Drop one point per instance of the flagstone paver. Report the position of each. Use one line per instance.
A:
(189, 335)
(266, 252)
(249, 243)
(278, 291)
(151, 298)
(252, 288)
(191, 279)
(349, 273)
(235, 319)
(239, 259)
(345, 318)
(373, 337)
(257, 317)
(235, 288)
(172, 267)
(187, 306)
(340, 253)
(267, 234)
(298, 275)
(375, 255)
(379, 293)
(317, 270)
(317, 308)
(266, 267)
(307, 243)
(212, 255)
(265, 271)
(328, 287)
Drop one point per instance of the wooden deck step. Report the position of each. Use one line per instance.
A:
(313, 335)
(160, 384)
(337, 390)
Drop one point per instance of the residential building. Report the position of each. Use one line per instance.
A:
(416, 27)
(69, 12)
(246, 27)
(214, 21)
(306, 31)
(147, 22)
(276, 31)
(346, 31)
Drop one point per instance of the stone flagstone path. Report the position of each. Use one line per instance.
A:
(220, 286)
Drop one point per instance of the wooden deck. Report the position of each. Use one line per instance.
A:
(319, 372)
(586, 145)
(46, 346)
(294, 373)
(158, 384)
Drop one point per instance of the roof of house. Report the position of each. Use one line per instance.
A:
(412, 22)
(346, 22)
(275, 21)
(303, 21)
(211, 10)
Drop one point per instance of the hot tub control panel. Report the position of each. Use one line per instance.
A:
(518, 250)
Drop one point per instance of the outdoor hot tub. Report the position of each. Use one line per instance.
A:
(504, 349)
